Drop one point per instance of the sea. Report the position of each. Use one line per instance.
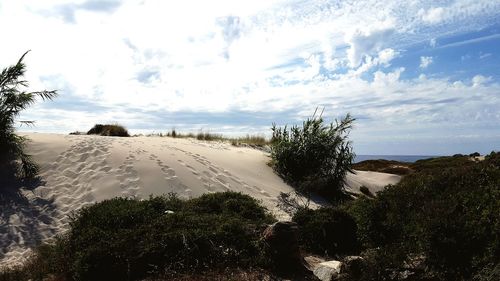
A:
(400, 158)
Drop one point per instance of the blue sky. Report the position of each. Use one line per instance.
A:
(421, 77)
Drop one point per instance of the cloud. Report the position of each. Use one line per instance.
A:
(68, 11)
(425, 62)
(480, 80)
(484, 55)
(471, 41)
(275, 60)
(432, 42)
(366, 42)
(432, 15)
(386, 56)
(231, 31)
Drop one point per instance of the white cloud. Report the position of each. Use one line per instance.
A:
(425, 62)
(367, 41)
(232, 56)
(386, 56)
(432, 42)
(480, 80)
(432, 15)
(484, 55)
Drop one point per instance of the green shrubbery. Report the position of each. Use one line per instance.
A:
(109, 130)
(127, 239)
(207, 136)
(13, 100)
(327, 231)
(315, 157)
(446, 215)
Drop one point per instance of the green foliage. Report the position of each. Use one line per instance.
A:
(448, 214)
(445, 162)
(250, 140)
(327, 231)
(128, 239)
(207, 136)
(108, 130)
(315, 157)
(13, 100)
(384, 166)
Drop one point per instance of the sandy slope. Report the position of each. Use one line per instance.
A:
(80, 170)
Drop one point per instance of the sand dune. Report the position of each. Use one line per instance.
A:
(79, 170)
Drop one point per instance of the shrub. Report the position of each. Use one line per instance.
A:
(449, 215)
(13, 100)
(314, 157)
(108, 130)
(327, 231)
(366, 191)
(127, 239)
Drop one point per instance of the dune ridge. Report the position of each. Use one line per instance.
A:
(78, 170)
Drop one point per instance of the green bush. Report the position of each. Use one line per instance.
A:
(315, 157)
(445, 213)
(13, 100)
(127, 239)
(108, 130)
(327, 231)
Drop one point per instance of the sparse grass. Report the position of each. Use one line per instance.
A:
(253, 140)
(207, 136)
(250, 140)
(109, 130)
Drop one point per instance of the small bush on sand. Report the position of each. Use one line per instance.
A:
(13, 100)
(327, 231)
(109, 130)
(128, 239)
(366, 191)
(315, 157)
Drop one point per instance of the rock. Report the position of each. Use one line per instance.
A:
(311, 262)
(283, 246)
(328, 270)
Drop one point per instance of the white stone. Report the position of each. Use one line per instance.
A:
(327, 271)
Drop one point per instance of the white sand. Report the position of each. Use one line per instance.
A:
(80, 170)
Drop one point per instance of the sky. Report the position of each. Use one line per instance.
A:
(420, 77)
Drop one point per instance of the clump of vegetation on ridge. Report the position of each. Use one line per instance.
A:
(314, 157)
(109, 130)
(13, 100)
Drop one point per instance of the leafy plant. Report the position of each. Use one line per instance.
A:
(13, 100)
(314, 157)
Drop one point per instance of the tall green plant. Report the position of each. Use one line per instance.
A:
(13, 100)
(316, 155)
